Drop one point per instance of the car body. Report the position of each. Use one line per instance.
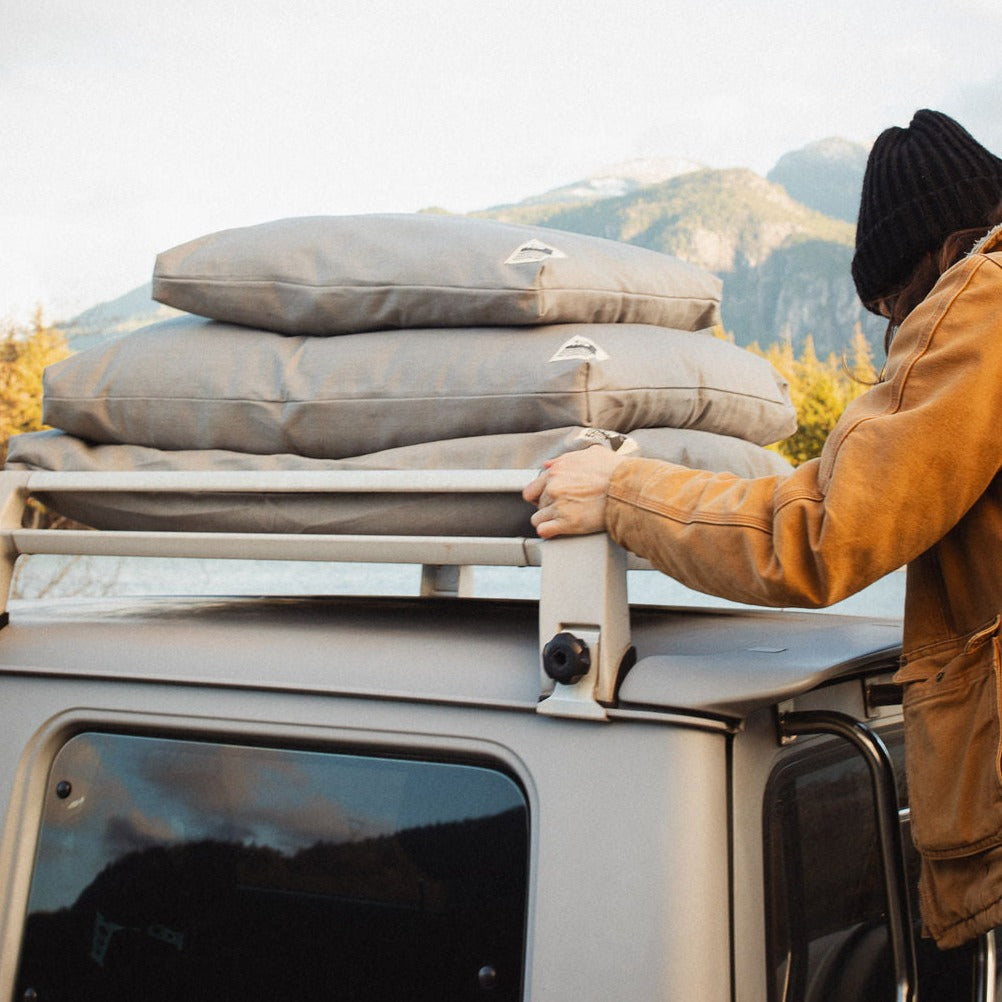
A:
(445, 795)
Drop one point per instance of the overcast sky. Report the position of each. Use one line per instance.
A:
(126, 127)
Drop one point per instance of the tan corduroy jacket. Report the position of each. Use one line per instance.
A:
(910, 475)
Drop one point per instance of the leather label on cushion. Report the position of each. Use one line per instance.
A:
(613, 439)
(532, 252)
(580, 348)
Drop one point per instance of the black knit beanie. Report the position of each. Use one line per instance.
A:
(921, 184)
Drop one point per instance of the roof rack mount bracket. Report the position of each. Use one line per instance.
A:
(583, 599)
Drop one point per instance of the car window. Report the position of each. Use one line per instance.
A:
(172, 869)
(826, 917)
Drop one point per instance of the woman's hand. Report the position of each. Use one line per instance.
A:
(570, 492)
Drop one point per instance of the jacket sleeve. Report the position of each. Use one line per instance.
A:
(900, 469)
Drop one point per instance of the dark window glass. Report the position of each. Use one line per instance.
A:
(827, 933)
(183, 870)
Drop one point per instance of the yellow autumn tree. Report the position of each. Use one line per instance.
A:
(24, 353)
(820, 389)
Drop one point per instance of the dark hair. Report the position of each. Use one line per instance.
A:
(931, 266)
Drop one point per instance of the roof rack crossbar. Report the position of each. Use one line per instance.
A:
(17, 486)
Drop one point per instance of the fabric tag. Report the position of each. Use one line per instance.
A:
(532, 252)
(580, 348)
(612, 439)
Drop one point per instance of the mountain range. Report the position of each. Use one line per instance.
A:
(782, 244)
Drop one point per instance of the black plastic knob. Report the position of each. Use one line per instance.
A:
(566, 658)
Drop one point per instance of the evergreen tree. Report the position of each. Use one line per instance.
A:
(820, 390)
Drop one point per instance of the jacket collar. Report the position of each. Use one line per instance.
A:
(991, 241)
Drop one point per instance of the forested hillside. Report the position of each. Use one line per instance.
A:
(785, 266)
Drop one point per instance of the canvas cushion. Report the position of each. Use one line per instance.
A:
(412, 514)
(188, 383)
(343, 274)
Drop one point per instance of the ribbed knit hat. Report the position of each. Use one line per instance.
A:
(921, 184)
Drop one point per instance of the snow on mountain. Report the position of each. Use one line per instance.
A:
(617, 180)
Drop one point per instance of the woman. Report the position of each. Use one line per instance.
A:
(910, 475)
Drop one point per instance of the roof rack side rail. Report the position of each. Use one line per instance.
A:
(280, 481)
(431, 551)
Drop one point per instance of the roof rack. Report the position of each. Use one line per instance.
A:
(584, 625)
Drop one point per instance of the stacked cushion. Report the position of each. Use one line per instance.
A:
(403, 342)
(194, 384)
(326, 275)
